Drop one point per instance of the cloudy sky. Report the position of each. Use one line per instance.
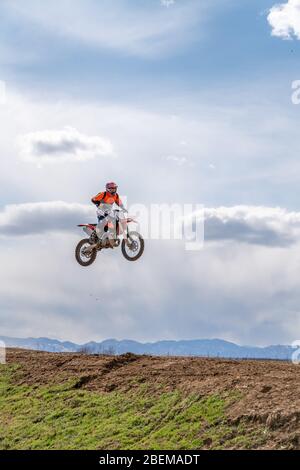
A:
(182, 101)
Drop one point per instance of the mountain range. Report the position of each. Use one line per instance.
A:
(197, 347)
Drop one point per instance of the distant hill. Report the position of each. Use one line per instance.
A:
(39, 344)
(198, 347)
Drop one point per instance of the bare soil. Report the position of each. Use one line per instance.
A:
(269, 391)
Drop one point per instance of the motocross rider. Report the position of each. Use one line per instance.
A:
(104, 202)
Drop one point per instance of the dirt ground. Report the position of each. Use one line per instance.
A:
(269, 390)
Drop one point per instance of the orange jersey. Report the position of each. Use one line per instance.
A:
(107, 198)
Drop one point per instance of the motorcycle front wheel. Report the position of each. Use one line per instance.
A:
(134, 249)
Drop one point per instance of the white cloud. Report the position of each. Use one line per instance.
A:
(264, 226)
(142, 29)
(177, 160)
(167, 3)
(43, 217)
(2, 92)
(253, 225)
(141, 138)
(67, 145)
(284, 19)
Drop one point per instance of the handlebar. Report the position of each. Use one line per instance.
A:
(108, 212)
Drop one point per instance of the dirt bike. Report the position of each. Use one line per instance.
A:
(132, 244)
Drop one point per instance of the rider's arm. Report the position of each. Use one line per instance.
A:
(97, 199)
(120, 203)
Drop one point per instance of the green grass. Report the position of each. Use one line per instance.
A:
(62, 417)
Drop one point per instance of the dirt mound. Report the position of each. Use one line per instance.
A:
(120, 361)
(267, 391)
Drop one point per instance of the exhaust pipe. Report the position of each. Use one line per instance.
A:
(92, 247)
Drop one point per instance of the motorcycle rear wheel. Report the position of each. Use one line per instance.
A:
(85, 259)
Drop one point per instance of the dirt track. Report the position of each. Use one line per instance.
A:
(269, 390)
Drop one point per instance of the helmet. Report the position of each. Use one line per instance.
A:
(111, 188)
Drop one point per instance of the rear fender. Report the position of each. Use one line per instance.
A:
(87, 228)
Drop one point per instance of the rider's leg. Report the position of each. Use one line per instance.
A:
(112, 232)
(109, 235)
(101, 225)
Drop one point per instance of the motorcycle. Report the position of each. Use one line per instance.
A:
(132, 244)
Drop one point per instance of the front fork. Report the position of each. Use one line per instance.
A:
(127, 239)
